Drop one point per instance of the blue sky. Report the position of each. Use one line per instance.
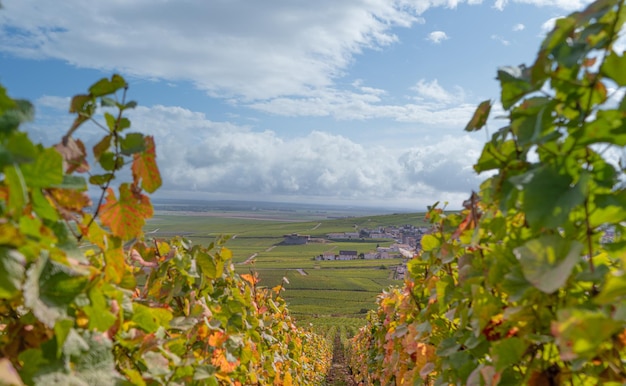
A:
(359, 102)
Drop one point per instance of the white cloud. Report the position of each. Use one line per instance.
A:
(249, 49)
(220, 159)
(432, 91)
(433, 105)
(55, 102)
(500, 4)
(548, 25)
(437, 37)
(519, 27)
(500, 39)
(567, 5)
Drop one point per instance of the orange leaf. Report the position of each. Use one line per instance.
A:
(70, 200)
(126, 216)
(145, 167)
(249, 278)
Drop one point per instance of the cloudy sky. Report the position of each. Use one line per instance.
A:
(351, 102)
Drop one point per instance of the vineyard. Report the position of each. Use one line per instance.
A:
(128, 310)
(525, 285)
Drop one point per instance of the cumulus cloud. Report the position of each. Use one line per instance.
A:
(246, 49)
(437, 36)
(220, 159)
(519, 27)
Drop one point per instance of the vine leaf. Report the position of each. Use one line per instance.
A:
(613, 68)
(145, 168)
(126, 216)
(11, 272)
(105, 86)
(480, 116)
(548, 261)
(74, 155)
(549, 196)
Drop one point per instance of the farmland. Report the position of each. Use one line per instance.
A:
(319, 293)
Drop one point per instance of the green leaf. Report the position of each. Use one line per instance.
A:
(6, 102)
(209, 265)
(548, 196)
(110, 120)
(107, 161)
(62, 329)
(42, 207)
(563, 28)
(579, 332)
(448, 347)
(609, 208)
(547, 262)
(507, 352)
(613, 68)
(12, 271)
(430, 242)
(46, 171)
(50, 288)
(21, 148)
(10, 120)
(18, 191)
(130, 105)
(514, 84)
(105, 86)
(480, 116)
(495, 155)
(132, 143)
(614, 290)
(91, 358)
(107, 102)
(101, 179)
(150, 319)
(102, 146)
(100, 317)
(531, 121)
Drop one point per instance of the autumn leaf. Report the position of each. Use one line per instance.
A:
(126, 216)
(480, 116)
(249, 278)
(145, 167)
(74, 155)
(69, 199)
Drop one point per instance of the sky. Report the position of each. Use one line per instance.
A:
(349, 102)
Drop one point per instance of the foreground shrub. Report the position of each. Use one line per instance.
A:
(119, 308)
(525, 285)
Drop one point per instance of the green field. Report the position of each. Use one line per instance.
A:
(318, 292)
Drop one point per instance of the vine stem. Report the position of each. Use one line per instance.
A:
(107, 184)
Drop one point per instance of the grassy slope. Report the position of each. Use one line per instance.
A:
(330, 290)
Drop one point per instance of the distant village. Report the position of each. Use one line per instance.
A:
(406, 241)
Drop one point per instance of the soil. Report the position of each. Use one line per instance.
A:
(339, 373)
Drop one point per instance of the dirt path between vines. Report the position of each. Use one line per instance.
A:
(339, 373)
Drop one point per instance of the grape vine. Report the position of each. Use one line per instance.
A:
(127, 309)
(526, 284)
